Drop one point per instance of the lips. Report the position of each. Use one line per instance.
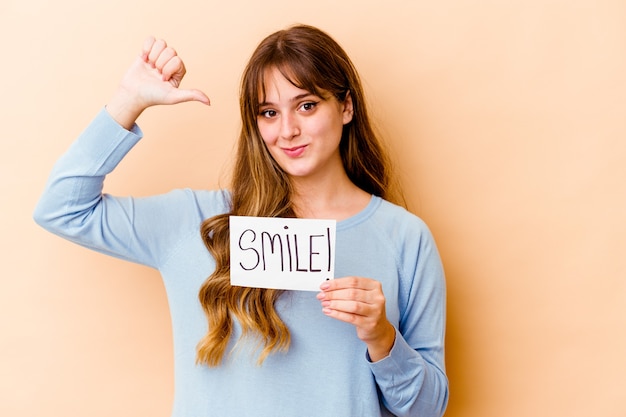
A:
(294, 152)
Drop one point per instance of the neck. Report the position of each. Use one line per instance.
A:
(333, 198)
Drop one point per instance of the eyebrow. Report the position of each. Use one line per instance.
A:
(296, 98)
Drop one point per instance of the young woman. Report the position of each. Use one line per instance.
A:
(370, 343)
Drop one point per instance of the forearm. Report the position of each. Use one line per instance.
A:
(410, 383)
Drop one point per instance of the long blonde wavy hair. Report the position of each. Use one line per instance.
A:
(311, 60)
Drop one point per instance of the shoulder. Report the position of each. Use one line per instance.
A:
(387, 221)
(409, 236)
(398, 221)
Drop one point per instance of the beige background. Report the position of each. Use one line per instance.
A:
(507, 119)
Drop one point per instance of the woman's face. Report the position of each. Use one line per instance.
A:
(302, 131)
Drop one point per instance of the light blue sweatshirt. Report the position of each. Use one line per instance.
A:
(326, 371)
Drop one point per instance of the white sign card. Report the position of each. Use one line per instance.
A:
(281, 253)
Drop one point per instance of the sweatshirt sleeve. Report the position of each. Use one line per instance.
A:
(74, 207)
(412, 378)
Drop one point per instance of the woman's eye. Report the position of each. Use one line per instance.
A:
(268, 113)
(308, 106)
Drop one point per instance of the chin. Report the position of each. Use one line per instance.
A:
(296, 172)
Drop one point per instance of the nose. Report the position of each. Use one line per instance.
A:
(289, 126)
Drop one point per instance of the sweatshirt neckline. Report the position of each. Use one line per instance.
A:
(361, 216)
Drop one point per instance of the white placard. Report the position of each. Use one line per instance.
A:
(281, 253)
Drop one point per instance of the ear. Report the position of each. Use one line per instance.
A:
(348, 109)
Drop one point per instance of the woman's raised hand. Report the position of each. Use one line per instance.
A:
(154, 78)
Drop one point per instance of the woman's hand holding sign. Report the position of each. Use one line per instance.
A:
(360, 302)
